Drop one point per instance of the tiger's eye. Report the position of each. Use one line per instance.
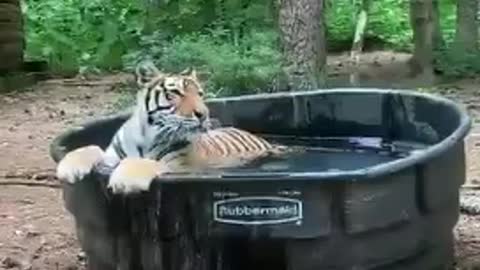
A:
(176, 92)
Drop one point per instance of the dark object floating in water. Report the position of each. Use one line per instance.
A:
(385, 197)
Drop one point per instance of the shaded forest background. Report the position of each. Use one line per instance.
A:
(235, 43)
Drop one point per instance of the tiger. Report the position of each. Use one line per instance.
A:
(169, 132)
(169, 108)
(223, 147)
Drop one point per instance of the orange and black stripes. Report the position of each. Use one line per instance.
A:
(232, 140)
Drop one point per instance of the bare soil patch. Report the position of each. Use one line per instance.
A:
(37, 233)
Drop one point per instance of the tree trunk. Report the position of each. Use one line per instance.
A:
(273, 11)
(466, 34)
(208, 12)
(438, 40)
(478, 18)
(302, 31)
(421, 20)
(242, 27)
(357, 46)
(12, 36)
(222, 14)
(148, 25)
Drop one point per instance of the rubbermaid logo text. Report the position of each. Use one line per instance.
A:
(257, 210)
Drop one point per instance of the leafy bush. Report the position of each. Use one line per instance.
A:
(388, 23)
(233, 42)
(230, 69)
(76, 34)
(340, 21)
(455, 63)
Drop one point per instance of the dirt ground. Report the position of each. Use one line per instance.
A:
(37, 233)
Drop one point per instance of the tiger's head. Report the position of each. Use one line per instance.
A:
(180, 94)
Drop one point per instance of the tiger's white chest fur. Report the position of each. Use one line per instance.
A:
(139, 138)
(134, 137)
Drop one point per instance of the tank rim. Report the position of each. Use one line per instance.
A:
(57, 148)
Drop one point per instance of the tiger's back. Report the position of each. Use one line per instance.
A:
(221, 148)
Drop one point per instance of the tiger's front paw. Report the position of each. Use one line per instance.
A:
(78, 163)
(134, 175)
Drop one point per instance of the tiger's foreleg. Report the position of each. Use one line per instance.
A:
(79, 163)
(135, 174)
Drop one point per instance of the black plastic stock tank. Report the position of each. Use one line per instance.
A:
(387, 199)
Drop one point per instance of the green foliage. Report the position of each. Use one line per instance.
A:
(76, 34)
(232, 42)
(388, 22)
(230, 69)
(448, 10)
(340, 20)
(456, 62)
(449, 60)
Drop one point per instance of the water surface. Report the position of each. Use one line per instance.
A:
(331, 154)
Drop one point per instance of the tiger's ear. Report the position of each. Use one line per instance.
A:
(191, 72)
(145, 71)
(194, 74)
(186, 72)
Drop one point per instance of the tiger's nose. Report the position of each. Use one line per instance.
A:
(200, 115)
